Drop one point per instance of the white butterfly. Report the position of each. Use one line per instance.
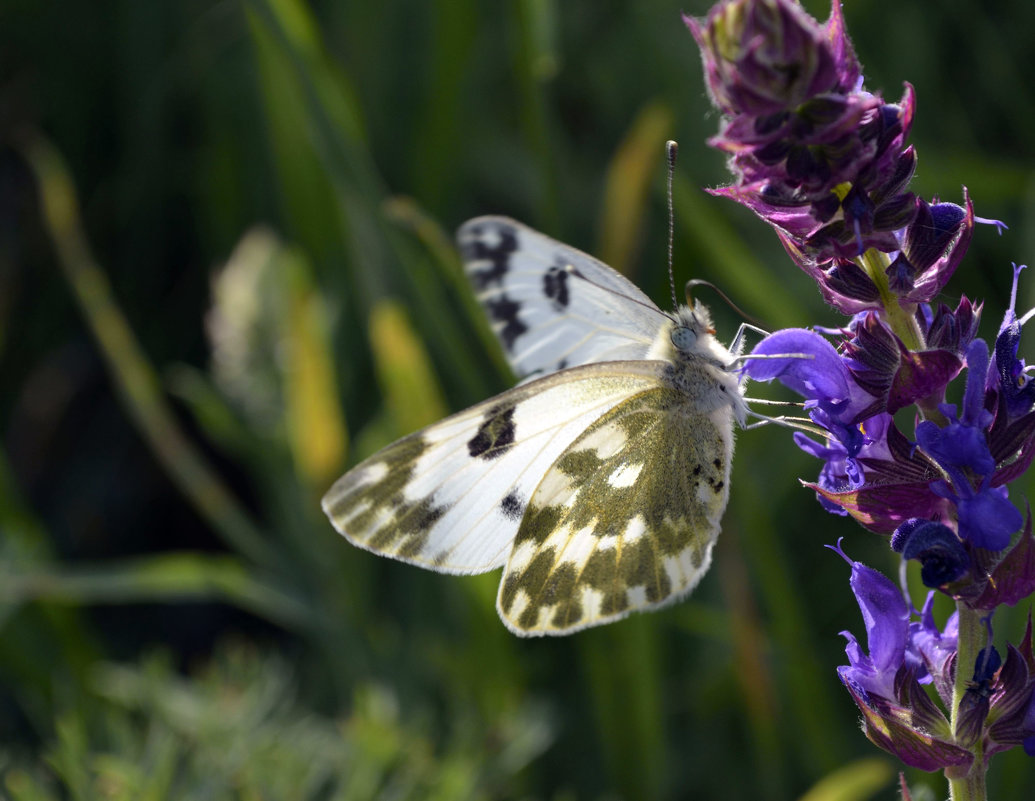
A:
(599, 485)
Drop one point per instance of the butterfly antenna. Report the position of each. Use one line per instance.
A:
(693, 283)
(671, 151)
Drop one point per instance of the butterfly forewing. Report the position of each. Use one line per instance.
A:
(624, 520)
(451, 497)
(550, 305)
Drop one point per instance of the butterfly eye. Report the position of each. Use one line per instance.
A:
(684, 338)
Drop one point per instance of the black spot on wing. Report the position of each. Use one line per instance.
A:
(476, 249)
(504, 310)
(495, 434)
(555, 287)
(512, 506)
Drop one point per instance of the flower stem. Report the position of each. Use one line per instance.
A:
(969, 787)
(874, 262)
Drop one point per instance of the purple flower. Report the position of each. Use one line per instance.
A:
(1013, 578)
(886, 618)
(885, 681)
(821, 159)
(1011, 374)
(933, 246)
(894, 640)
(1012, 436)
(941, 554)
(986, 516)
(894, 375)
(930, 652)
(807, 364)
(1028, 725)
(763, 58)
(870, 471)
(997, 706)
(826, 163)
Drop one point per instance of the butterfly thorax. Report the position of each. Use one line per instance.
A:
(701, 365)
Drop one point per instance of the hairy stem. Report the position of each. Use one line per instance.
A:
(969, 787)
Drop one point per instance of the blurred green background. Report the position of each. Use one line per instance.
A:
(259, 288)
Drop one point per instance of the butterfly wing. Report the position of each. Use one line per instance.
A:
(625, 518)
(553, 306)
(451, 497)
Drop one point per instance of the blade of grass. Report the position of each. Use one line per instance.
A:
(437, 150)
(757, 685)
(534, 59)
(165, 577)
(855, 781)
(623, 663)
(404, 370)
(334, 125)
(808, 694)
(315, 423)
(138, 385)
(335, 129)
(40, 634)
(630, 174)
(439, 246)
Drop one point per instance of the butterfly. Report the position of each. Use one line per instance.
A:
(597, 483)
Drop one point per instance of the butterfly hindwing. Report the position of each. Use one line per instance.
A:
(553, 306)
(625, 519)
(452, 496)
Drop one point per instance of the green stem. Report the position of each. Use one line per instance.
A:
(875, 263)
(134, 376)
(972, 635)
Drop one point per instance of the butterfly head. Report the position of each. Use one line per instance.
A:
(692, 330)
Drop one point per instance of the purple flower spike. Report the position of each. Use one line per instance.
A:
(821, 159)
(827, 165)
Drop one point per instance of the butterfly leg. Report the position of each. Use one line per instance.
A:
(738, 340)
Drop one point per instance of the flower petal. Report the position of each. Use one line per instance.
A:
(804, 362)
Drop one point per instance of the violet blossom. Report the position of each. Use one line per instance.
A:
(825, 162)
